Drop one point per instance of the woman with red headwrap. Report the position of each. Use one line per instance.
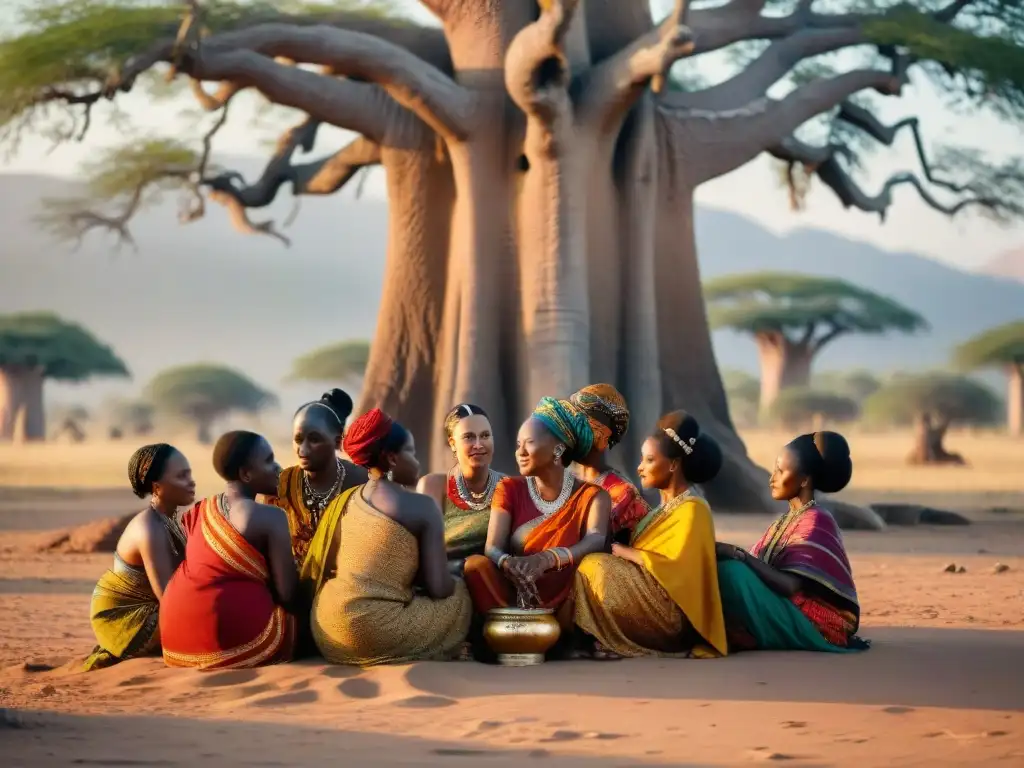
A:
(378, 566)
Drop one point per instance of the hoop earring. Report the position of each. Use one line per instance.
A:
(391, 475)
(559, 450)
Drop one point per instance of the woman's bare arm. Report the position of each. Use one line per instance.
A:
(284, 577)
(598, 522)
(437, 579)
(780, 582)
(499, 534)
(433, 486)
(157, 556)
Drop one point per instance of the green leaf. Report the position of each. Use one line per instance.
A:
(66, 351)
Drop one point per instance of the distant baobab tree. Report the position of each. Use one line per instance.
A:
(541, 159)
(1001, 347)
(342, 363)
(793, 316)
(34, 347)
(204, 393)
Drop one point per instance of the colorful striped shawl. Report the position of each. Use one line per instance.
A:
(628, 506)
(808, 543)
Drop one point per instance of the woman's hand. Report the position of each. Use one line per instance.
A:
(531, 567)
(725, 551)
(626, 553)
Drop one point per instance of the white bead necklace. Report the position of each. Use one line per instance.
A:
(548, 508)
(476, 501)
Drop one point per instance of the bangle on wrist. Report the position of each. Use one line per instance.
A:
(502, 559)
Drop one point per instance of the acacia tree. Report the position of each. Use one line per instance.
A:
(204, 393)
(856, 385)
(132, 417)
(1001, 347)
(793, 316)
(34, 347)
(932, 403)
(806, 408)
(342, 362)
(540, 175)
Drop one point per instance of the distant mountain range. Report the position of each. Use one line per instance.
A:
(1009, 265)
(203, 292)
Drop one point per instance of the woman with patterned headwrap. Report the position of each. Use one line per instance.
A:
(126, 601)
(378, 565)
(606, 410)
(545, 522)
(230, 604)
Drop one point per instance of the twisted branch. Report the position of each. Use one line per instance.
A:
(536, 70)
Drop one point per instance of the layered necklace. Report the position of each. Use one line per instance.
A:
(316, 501)
(476, 501)
(548, 508)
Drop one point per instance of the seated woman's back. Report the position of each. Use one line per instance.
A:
(226, 605)
(389, 544)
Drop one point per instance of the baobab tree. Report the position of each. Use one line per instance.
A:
(932, 403)
(344, 363)
(204, 393)
(793, 316)
(540, 174)
(1001, 347)
(34, 347)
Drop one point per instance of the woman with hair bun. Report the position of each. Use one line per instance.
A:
(794, 589)
(126, 602)
(464, 493)
(229, 606)
(308, 491)
(378, 566)
(658, 596)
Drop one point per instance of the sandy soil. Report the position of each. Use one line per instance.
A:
(943, 684)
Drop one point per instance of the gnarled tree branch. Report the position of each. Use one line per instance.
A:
(536, 69)
(770, 67)
(611, 88)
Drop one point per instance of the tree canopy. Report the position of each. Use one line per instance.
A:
(205, 391)
(996, 347)
(798, 305)
(857, 385)
(344, 361)
(67, 56)
(799, 406)
(65, 351)
(945, 398)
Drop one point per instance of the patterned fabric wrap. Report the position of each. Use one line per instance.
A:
(808, 543)
(300, 520)
(628, 506)
(218, 611)
(124, 615)
(603, 400)
(465, 528)
(568, 424)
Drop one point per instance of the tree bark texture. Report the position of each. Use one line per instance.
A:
(541, 202)
(784, 363)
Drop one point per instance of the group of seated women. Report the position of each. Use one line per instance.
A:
(365, 562)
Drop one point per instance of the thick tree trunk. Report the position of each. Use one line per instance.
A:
(404, 356)
(784, 364)
(33, 426)
(929, 434)
(1015, 400)
(12, 401)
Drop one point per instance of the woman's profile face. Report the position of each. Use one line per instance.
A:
(786, 481)
(535, 448)
(176, 485)
(406, 468)
(473, 442)
(655, 468)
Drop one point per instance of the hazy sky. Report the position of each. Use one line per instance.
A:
(968, 241)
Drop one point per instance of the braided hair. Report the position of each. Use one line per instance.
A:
(146, 466)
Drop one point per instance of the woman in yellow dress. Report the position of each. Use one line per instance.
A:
(306, 491)
(464, 493)
(125, 609)
(383, 591)
(606, 410)
(659, 595)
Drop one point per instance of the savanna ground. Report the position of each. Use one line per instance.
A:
(943, 684)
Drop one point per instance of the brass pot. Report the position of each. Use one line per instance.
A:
(521, 636)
